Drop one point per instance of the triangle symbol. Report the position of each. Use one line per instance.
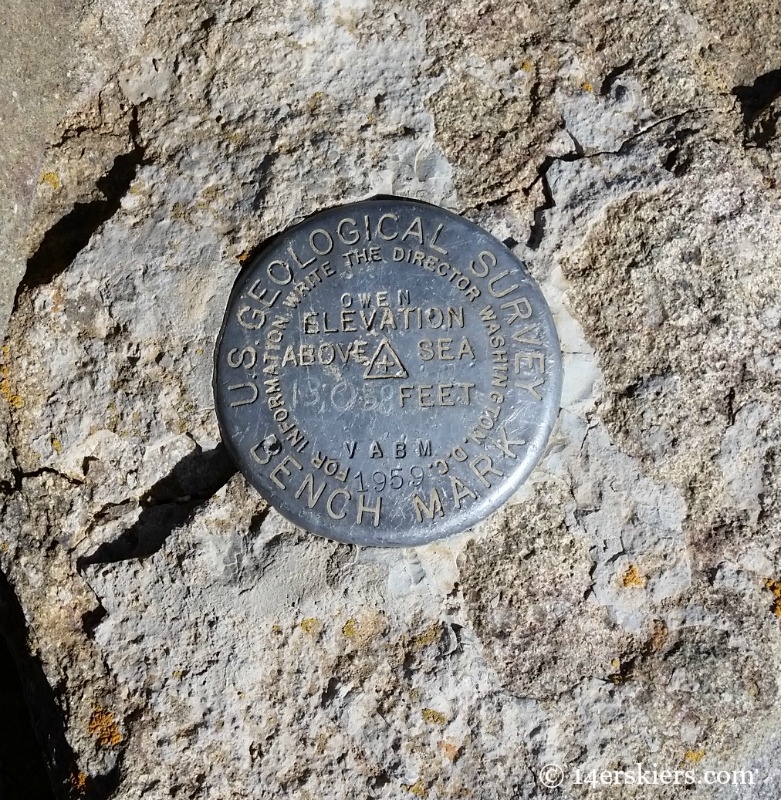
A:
(385, 363)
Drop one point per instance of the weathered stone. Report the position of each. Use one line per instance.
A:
(623, 608)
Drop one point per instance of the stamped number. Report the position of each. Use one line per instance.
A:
(344, 396)
(394, 479)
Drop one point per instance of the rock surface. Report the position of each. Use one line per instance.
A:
(180, 639)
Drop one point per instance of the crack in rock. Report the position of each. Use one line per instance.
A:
(537, 228)
(19, 476)
(72, 233)
(167, 505)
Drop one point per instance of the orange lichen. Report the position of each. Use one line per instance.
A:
(632, 577)
(104, 728)
(58, 300)
(658, 636)
(450, 751)
(775, 588)
(78, 781)
(434, 717)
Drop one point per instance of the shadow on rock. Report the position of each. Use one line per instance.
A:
(167, 505)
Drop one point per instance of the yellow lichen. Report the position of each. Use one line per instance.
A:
(693, 756)
(347, 22)
(309, 625)
(632, 577)
(6, 390)
(205, 200)
(775, 588)
(13, 399)
(418, 788)
(527, 66)
(434, 717)
(621, 673)
(52, 179)
(112, 418)
(104, 728)
(315, 101)
(56, 445)
(427, 637)
(363, 630)
(586, 86)
(237, 137)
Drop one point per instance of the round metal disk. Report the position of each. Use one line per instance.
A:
(387, 373)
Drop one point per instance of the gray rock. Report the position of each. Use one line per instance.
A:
(622, 609)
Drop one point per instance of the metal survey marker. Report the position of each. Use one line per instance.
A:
(387, 373)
